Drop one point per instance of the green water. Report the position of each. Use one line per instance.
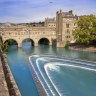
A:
(18, 63)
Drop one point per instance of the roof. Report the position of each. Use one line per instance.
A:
(67, 14)
(4, 26)
(51, 19)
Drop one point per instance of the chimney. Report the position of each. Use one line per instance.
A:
(57, 12)
(60, 11)
(54, 18)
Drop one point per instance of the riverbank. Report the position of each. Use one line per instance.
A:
(88, 48)
(3, 84)
(40, 88)
(8, 83)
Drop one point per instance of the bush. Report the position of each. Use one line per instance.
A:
(67, 44)
(3, 47)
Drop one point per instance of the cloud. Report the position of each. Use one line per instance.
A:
(37, 10)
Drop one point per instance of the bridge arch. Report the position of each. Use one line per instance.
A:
(26, 40)
(11, 41)
(44, 41)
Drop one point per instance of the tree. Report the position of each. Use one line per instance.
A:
(86, 31)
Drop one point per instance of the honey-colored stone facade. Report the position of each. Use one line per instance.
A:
(58, 29)
(65, 23)
(35, 33)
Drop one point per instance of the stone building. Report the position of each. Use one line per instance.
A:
(65, 23)
(57, 29)
(50, 22)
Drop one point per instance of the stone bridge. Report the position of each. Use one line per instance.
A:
(33, 33)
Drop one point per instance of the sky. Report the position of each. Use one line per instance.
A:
(23, 11)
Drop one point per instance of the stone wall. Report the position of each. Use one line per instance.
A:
(11, 84)
(3, 85)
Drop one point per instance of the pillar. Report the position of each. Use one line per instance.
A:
(60, 44)
(35, 44)
(19, 45)
(50, 43)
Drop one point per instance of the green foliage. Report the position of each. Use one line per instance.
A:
(3, 46)
(35, 23)
(67, 44)
(86, 31)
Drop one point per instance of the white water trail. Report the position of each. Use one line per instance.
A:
(77, 61)
(56, 64)
(70, 61)
(45, 79)
(45, 67)
(76, 66)
(38, 76)
(70, 58)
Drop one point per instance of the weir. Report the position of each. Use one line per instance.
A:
(54, 64)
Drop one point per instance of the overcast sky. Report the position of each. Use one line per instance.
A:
(17, 11)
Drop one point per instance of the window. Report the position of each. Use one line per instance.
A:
(3, 34)
(67, 25)
(15, 33)
(34, 25)
(74, 24)
(68, 36)
(68, 31)
(75, 28)
(9, 33)
(21, 33)
(27, 32)
(18, 33)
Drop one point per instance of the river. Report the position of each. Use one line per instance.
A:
(18, 63)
